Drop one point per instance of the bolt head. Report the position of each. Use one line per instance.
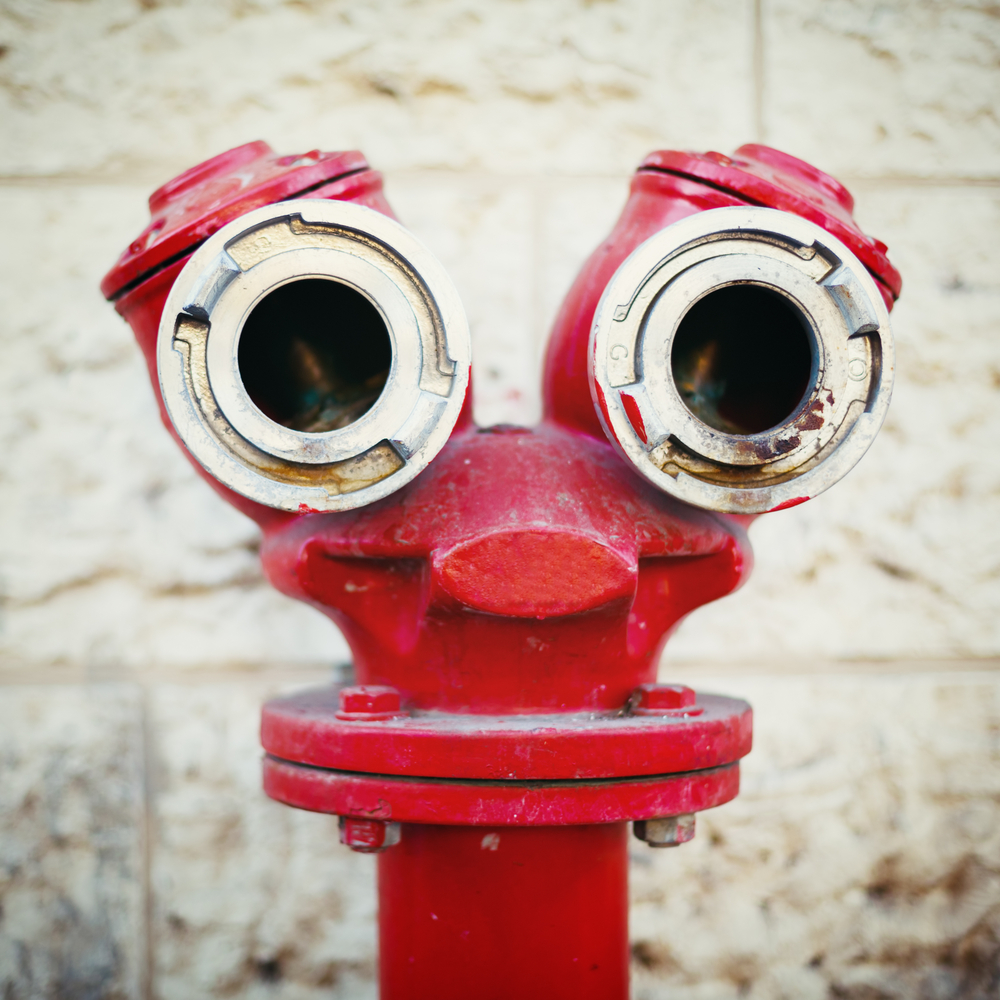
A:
(663, 699)
(369, 702)
(368, 836)
(665, 831)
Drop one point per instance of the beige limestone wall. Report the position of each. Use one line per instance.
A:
(137, 637)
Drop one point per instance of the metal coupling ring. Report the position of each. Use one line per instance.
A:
(313, 355)
(742, 360)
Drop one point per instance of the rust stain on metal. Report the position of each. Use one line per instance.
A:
(813, 419)
(783, 446)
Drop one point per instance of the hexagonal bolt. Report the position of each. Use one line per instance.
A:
(663, 699)
(369, 703)
(368, 836)
(666, 831)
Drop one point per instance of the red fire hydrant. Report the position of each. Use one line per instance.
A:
(506, 591)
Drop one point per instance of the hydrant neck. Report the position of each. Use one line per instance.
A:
(522, 572)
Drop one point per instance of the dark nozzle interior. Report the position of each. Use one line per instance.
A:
(742, 359)
(314, 355)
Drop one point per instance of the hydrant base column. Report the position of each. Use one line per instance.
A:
(500, 912)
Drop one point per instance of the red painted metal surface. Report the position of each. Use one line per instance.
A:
(523, 571)
(759, 175)
(366, 703)
(188, 209)
(513, 803)
(506, 611)
(368, 836)
(548, 919)
(308, 728)
(665, 699)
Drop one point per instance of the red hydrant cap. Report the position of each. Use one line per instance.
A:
(764, 176)
(188, 209)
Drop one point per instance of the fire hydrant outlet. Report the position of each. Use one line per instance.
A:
(742, 359)
(277, 410)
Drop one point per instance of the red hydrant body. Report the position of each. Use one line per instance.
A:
(506, 609)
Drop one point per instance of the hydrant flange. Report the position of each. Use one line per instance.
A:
(498, 803)
(307, 728)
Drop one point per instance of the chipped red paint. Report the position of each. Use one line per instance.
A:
(601, 401)
(506, 611)
(498, 803)
(634, 415)
(311, 728)
(794, 502)
(188, 209)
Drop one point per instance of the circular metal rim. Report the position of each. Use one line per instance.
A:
(638, 273)
(496, 803)
(698, 434)
(388, 412)
(420, 433)
(304, 728)
(816, 350)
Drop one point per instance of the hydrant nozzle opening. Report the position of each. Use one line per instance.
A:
(743, 359)
(314, 355)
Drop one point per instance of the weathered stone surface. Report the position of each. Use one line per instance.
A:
(891, 88)
(107, 530)
(567, 86)
(251, 898)
(72, 904)
(513, 247)
(861, 860)
(483, 231)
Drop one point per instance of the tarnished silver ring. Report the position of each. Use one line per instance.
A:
(650, 416)
(199, 361)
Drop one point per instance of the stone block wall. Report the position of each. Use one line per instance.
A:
(138, 858)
